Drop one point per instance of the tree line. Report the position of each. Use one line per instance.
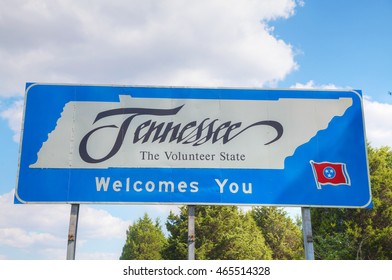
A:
(230, 233)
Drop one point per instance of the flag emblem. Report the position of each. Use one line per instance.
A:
(330, 173)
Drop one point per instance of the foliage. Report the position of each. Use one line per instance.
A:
(145, 241)
(177, 244)
(282, 235)
(359, 233)
(223, 233)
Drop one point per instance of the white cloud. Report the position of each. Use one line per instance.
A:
(209, 43)
(47, 218)
(96, 223)
(19, 238)
(166, 209)
(378, 120)
(13, 115)
(311, 85)
(42, 229)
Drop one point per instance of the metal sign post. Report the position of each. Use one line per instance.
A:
(307, 233)
(191, 232)
(72, 232)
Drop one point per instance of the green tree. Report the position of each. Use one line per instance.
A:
(177, 243)
(145, 241)
(329, 233)
(282, 235)
(359, 233)
(222, 233)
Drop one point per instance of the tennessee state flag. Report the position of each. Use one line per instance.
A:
(330, 173)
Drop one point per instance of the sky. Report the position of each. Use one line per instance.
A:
(326, 44)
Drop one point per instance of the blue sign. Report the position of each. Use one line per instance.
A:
(123, 144)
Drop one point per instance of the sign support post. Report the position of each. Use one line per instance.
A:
(307, 233)
(191, 232)
(72, 232)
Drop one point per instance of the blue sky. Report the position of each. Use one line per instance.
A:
(280, 44)
(341, 42)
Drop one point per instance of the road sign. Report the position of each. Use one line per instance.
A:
(123, 144)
